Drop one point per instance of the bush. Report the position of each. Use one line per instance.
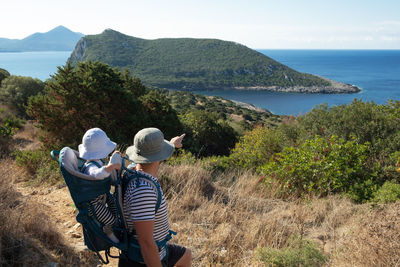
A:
(95, 95)
(3, 74)
(181, 156)
(40, 167)
(360, 121)
(300, 252)
(15, 91)
(364, 123)
(256, 148)
(161, 114)
(8, 126)
(321, 166)
(205, 135)
(387, 193)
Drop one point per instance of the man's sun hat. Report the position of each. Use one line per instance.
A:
(95, 145)
(149, 146)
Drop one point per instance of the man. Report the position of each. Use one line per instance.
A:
(148, 150)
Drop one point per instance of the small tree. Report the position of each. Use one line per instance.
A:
(321, 166)
(3, 74)
(206, 135)
(90, 95)
(161, 114)
(15, 91)
(256, 148)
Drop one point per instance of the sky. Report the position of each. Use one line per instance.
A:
(268, 24)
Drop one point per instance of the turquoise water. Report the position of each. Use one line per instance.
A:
(376, 72)
(33, 64)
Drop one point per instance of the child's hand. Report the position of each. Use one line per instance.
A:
(116, 158)
(115, 162)
(177, 141)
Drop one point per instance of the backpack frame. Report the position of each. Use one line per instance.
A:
(84, 188)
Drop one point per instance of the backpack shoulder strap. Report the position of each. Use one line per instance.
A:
(137, 177)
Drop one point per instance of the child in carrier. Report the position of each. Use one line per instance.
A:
(94, 148)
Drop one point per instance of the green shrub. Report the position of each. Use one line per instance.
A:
(387, 193)
(161, 114)
(40, 167)
(321, 166)
(256, 148)
(360, 121)
(205, 135)
(181, 157)
(300, 252)
(8, 126)
(15, 91)
(3, 74)
(217, 164)
(95, 95)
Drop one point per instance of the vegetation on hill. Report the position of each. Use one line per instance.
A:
(189, 64)
(240, 118)
(95, 95)
(3, 74)
(247, 201)
(15, 91)
(351, 149)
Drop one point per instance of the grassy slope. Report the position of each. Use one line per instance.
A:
(224, 219)
(185, 63)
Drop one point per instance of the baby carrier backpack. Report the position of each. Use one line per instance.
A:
(84, 188)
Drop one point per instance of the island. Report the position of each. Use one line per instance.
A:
(191, 64)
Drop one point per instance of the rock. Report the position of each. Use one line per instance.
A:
(76, 235)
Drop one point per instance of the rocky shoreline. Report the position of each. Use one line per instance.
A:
(334, 88)
(250, 107)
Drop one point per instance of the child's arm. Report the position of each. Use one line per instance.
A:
(115, 162)
(112, 166)
(104, 171)
(96, 172)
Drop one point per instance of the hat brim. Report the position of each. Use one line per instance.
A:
(101, 154)
(165, 153)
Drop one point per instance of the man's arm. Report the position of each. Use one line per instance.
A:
(148, 247)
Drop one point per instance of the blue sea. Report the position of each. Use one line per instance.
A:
(34, 64)
(376, 72)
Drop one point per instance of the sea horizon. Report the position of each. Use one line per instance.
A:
(375, 71)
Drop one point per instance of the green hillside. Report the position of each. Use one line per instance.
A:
(189, 64)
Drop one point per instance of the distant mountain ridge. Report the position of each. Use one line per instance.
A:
(57, 39)
(192, 64)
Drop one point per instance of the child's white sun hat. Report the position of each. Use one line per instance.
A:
(95, 145)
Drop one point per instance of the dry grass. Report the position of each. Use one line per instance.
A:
(27, 236)
(27, 137)
(374, 241)
(224, 221)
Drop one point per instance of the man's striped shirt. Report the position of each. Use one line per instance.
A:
(139, 205)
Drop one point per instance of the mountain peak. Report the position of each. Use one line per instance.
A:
(58, 39)
(60, 28)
